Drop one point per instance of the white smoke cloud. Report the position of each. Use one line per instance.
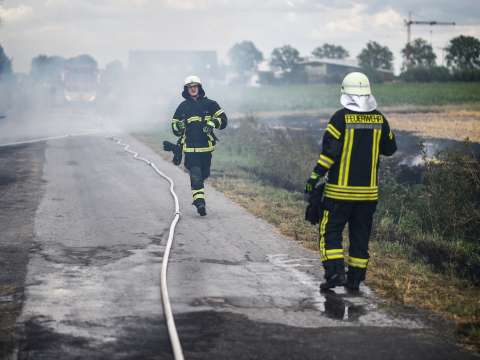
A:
(15, 14)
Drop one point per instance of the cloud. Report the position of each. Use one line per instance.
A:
(15, 14)
(108, 29)
(347, 21)
(388, 18)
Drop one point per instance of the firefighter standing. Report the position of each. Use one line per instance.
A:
(194, 122)
(354, 139)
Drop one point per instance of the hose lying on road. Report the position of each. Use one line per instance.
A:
(172, 330)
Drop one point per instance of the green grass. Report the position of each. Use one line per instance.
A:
(321, 96)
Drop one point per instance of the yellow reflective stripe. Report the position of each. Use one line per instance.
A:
(377, 133)
(352, 189)
(352, 197)
(333, 254)
(334, 257)
(314, 175)
(205, 149)
(218, 122)
(198, 196)
(357, 262)
(326, 165)
(333, 131)
(198, 191)
(390, 135)
(219, 112)
(349, 156)
(334, 251)
(379, 138)
(334, 193)
(346, 157)
(323, 226)
(194, 118)
(174, 123)
(325, 161)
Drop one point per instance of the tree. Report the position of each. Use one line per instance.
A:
(285, 58)
(418, 53)
(463, 53)
(83, 60)
(47, 68)
(245, 57)
(330, 51)
(5, 64)
(426, 74)
(113, 73)
(376, 56)
(115, 68)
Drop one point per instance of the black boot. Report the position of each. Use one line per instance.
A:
(201, 208)
(334, 274)
(354, 277)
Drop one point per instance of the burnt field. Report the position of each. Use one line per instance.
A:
(420, 135)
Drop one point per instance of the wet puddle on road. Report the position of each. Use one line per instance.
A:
(85, 292)
(282, 289)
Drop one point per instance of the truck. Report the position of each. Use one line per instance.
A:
(80, 79)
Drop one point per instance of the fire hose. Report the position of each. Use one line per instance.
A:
(167, 308)
(172, 330)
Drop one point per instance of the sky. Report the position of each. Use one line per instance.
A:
(108, 29)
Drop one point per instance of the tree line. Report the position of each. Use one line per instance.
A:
(419, 59)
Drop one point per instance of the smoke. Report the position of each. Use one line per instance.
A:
(132, 95)
(73, 96)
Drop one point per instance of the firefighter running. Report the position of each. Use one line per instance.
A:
(354, 139)
(194, 122)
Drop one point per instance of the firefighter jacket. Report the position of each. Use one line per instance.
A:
(352, 145)
(197, 136)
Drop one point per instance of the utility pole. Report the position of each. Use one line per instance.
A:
(410, 22)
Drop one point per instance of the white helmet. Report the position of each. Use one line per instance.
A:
(356, 83)
(193, 79)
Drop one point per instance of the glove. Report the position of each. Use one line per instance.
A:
(176, 149)
(180, 125)
(311, 183)
(168, 146)
(209, 126)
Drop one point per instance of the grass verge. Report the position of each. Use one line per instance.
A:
(318, 96)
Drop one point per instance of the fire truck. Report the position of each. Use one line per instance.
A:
(80, 79)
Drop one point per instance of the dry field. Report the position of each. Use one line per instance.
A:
(450, 124)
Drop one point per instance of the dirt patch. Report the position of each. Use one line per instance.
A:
(22, 166)
(84, 256)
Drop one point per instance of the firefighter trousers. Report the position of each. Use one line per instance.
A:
(336, 214)
(198, 165)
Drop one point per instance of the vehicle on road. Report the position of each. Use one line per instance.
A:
(80, 79)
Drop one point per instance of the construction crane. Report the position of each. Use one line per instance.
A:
(410, 22)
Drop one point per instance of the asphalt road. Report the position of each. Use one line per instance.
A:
(239, 290)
